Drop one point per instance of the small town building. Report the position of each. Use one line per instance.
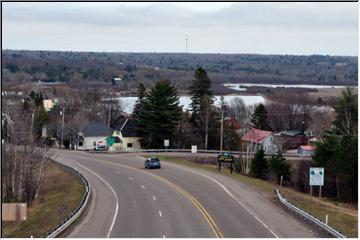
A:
(124, 136)
(306, 150)
(291, 139)
(255, 139)
(92, 136)
(49, 104)
(232, 123)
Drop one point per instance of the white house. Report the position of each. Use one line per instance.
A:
(254, 139)
(93, 136)
(125, 136)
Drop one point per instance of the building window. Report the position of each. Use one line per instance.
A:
(129, 145)
(80, 144)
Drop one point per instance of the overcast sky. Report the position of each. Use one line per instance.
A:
(269, 28)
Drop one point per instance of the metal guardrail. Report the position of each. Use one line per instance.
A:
(309, 217)
(73, 216)
(214, 152)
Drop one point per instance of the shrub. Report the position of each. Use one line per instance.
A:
(279, 166)
(259, 166)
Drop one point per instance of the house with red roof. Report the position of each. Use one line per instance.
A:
(255, 139)
(232, 123)
(306, 150)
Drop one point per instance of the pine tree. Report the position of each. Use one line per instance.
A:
(203, 116)
(346, 108)
(279, 166)
(259, 118)
(200, 88)
(159, 115)
(338, 150)
(259, 165)
(141, 93)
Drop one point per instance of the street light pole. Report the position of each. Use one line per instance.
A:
(109, 117)
(62, 127)
(222, 130)
(32, 127)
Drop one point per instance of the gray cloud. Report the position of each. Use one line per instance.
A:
(276, 27)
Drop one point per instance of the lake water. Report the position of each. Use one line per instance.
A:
(236, 86)
(128, 103)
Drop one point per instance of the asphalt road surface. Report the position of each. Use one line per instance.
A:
(174, 201)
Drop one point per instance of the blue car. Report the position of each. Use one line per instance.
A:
(152, 163)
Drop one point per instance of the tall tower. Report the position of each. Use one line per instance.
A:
(186, 44)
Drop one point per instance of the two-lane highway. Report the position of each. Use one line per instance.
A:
(174, 201)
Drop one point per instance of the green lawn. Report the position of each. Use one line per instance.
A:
(60, 194)
(341, 218)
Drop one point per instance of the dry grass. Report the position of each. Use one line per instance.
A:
(60, 194)
(344, 219)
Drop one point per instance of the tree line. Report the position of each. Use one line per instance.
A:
(337, 153)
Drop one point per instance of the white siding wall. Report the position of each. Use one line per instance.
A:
(135, 141)
(88, 143)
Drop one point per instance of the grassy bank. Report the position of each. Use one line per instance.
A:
(60, 194)
(342, 218)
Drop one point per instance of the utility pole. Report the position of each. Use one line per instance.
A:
(207, 127)
(186, 44)
(62, 126)
(109, 117)
(32, 127)
(222, 123)
(221, 131)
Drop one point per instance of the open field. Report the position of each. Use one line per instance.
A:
(60, 194)
(342, 218)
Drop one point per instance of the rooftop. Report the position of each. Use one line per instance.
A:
(255, 135)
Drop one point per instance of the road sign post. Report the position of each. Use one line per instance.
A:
(193, 151)
(226, 158)
(316, 178)
(166, 143)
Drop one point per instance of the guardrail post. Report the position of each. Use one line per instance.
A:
(309, 217)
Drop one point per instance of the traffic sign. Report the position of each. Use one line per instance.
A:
(226, 158)
(193, 149)
(166, 142)
(316, 176)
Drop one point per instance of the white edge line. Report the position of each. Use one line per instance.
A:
(232, 196)
(116, 197)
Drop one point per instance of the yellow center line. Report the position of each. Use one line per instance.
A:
(197, 204)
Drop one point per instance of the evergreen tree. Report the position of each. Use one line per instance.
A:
(159, 115)
(259, 165)
(201, 87)
(338, 150)
(279, 166)
(141, 93)
(346, 109)
(259, 118)
(203, 117)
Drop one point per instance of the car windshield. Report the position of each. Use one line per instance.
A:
(154, 160)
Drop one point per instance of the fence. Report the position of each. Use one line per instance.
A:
(73, 216)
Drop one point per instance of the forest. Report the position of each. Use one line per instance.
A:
(78, 69)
